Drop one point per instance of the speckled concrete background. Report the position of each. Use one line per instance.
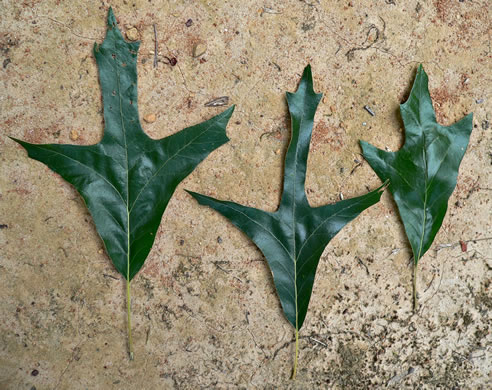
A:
(204, 307)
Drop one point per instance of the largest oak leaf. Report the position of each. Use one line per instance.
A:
(127, 179)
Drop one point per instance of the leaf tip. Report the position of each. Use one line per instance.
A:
(421, 74)
(307, 77)
(305, 89)
(20, 142)
(419, 94)
(198, 197)
(113, 26)
(465, 124)
(111, 18)
(230, 110)
(224, 117)
(384, 187)
(367, 148)
(192, 193)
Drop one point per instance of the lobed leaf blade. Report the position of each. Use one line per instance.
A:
(127, 179)
(422, 175)
(293, 238)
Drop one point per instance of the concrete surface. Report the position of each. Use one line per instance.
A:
(205, 311)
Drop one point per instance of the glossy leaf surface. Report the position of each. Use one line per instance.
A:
(422, 174)
(294, 237)
(127, 179)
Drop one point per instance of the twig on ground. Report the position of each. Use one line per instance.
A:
(155, 47)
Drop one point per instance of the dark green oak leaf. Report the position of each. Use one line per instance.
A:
(422, 174)
(128, 178)
(294, 237)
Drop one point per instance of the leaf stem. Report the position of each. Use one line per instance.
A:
(129, 322)
(415, 302)
(294, 372)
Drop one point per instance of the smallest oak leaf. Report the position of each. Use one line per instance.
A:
(422, 174)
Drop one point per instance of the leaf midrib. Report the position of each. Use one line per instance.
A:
(426, 178)
(427, 183)
(294, 218)
(123, 128)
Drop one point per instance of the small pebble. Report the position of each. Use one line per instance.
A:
(132, 34)
(34, 372)
(464, 246)
(189, 22)
(74, 136)
(485, 125)
(150, 118)
(199, 49)
(219, 240)
(364, 124)
(479, 101)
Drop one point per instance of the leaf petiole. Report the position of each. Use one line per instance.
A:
(294, 372)
(415, 303)
(128, 307)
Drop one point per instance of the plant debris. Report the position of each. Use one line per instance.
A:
(217, 102)
(155, 47)
(368, 109)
